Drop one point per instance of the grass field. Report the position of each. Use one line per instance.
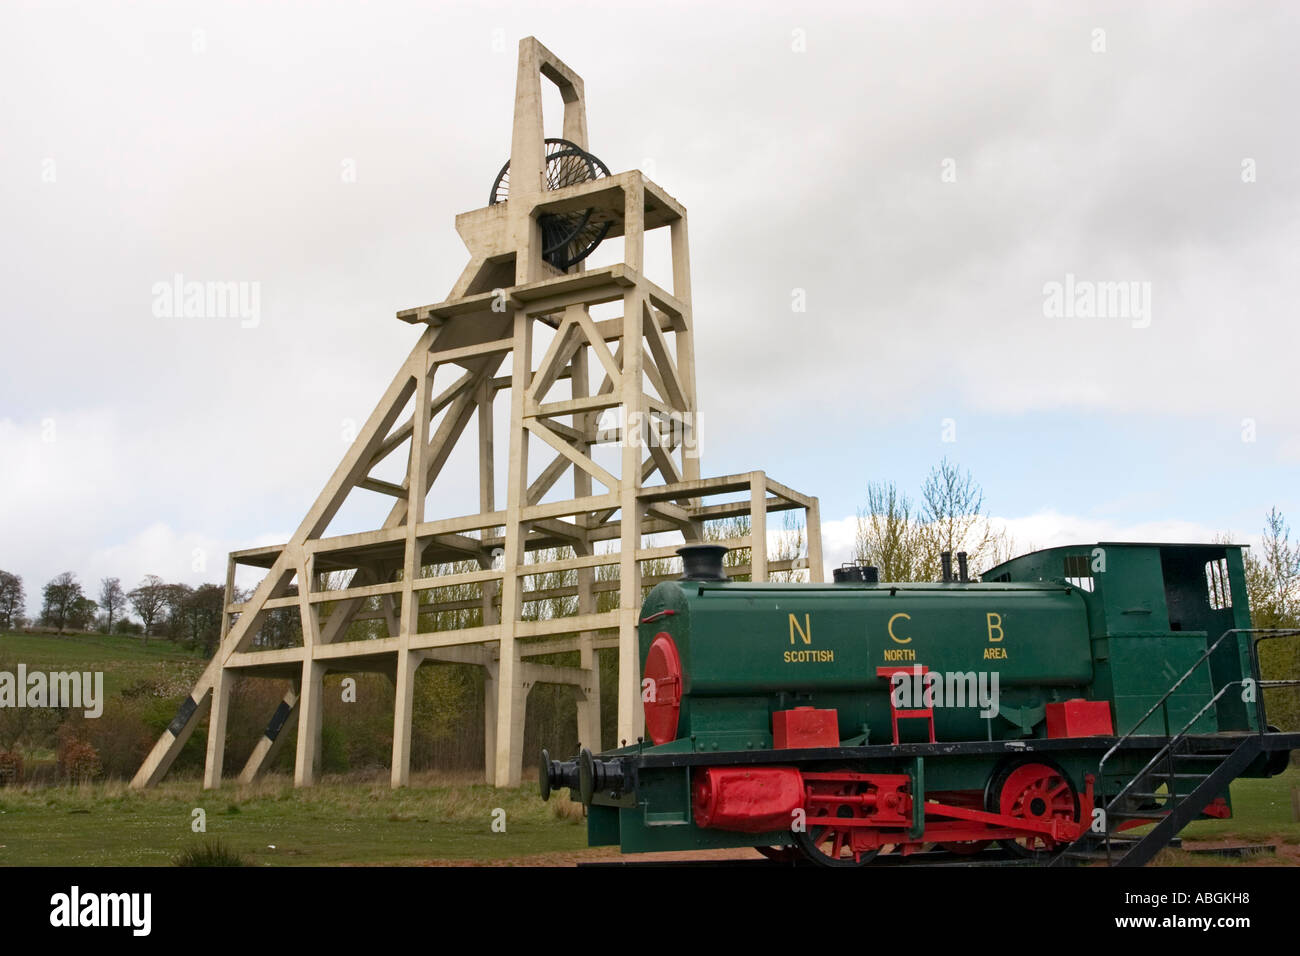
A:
(124, 660)
(271, 823)
(364, 821)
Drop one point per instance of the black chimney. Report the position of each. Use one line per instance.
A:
(962, 576)
(945, 558)
(702, 562)
(849, 573)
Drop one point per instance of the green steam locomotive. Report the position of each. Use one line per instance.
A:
(1069, 696)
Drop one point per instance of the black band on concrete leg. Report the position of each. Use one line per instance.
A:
(187, 709)
(277, 720)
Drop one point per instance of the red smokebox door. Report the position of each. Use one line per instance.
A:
(661, 689)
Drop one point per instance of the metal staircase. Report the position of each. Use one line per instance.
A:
(1181, 779)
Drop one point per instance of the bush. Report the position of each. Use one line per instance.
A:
(79, 762)
(120, 737)
(11, 766)
(209, 854)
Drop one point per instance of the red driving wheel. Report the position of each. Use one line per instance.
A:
(1035, 791)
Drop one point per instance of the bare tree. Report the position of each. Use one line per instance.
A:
(886, 535)
(791, 545)
(905, 540)
(112, 599)
(952, 519)
(149, 599)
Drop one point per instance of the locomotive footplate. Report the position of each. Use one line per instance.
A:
(860, 801)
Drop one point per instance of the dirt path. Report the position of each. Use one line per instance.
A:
(603, 854)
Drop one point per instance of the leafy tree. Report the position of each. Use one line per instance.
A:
(60, 595)
(149, 599)
(12, 600)
(1273, 589)
(174, 598)
(112, 598)
(200, 616)
(82, 615)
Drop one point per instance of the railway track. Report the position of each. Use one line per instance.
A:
(931, 858)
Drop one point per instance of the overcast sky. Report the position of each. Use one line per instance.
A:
(923, 173)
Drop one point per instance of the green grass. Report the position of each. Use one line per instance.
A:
(124, 660)
(1261, 813)
(273, 824)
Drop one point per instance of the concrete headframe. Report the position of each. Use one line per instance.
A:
(635, 370)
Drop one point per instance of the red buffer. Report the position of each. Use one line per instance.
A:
(746, 799)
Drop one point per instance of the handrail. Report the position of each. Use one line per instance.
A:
(1169, 745)
(1171, 741)
(1266, 634)
(1165, 753)
(1163, 700)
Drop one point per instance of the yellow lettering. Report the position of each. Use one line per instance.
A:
(995, 653)
(805, 632)
(995, 624)
(894, 637)
(809, 657)
(900, 654)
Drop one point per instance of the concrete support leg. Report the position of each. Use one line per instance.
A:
(169, 746)
(757, 527)
(489, 722)
(589, 713)
(814, 534)
(217, 730)
(512, 705)
(408, 662)
(271, 742)
(589, 693)
(310, 711)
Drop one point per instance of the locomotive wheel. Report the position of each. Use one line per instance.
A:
(1037, 791)
(828, 845)
(780, 854)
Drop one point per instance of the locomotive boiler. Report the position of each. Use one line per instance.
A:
(1071, 694)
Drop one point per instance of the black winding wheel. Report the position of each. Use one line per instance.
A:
(567, 238)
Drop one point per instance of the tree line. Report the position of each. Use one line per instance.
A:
(178, 612)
